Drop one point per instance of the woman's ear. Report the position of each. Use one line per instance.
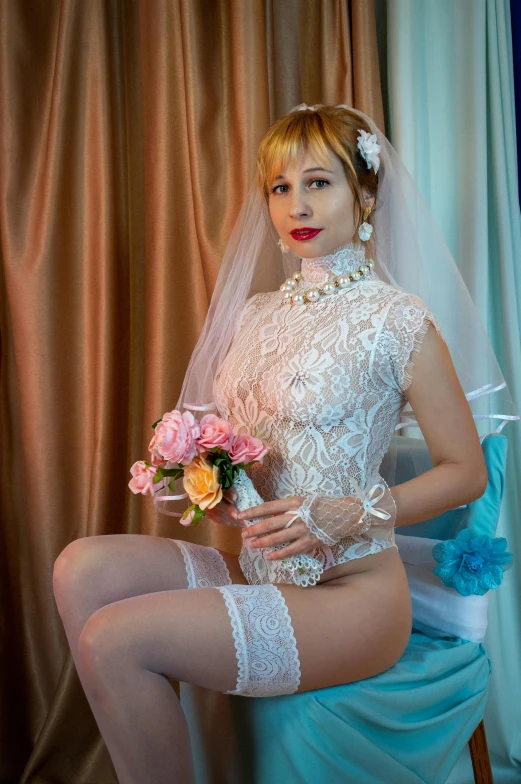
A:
(369, 202)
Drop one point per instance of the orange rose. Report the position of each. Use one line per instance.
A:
(200, 480)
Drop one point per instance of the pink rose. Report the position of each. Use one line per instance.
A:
(214, 432)
(175, 437)
(188, 519)
(246, 448)
(155, 457)
(142, 477)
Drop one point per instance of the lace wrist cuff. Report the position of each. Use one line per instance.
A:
(331, 519)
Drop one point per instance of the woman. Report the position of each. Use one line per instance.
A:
(322, 379)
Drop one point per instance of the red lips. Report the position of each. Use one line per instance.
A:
(305, 233)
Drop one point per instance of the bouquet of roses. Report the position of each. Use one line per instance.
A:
(209, 455)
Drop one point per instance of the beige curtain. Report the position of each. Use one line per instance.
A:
(128, 140)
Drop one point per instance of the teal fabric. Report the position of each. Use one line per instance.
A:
(481, 515)
(407, 725)
(393, 727)
(484, 512)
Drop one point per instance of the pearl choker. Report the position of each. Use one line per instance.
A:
(337, 283)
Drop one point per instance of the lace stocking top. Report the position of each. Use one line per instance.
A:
(323, 384)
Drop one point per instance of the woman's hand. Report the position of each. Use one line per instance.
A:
(277, 516)
(225, 512)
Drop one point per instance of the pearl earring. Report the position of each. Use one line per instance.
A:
(282, 245)
(365, 229)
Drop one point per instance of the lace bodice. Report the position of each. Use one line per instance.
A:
(323, 384)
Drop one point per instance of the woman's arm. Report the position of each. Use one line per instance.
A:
(459, 474)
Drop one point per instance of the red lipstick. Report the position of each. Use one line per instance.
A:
(305, 233)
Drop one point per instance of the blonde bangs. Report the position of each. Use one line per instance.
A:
(289, 139)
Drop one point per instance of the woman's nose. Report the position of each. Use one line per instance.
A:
(299, 208)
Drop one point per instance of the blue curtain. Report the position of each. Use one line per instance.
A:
(515, 13)
(447, 68)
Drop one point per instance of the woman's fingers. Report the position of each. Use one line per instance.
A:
(271, 524)
(230, 495)
(277, 507)
(270, 540)
(225, 514)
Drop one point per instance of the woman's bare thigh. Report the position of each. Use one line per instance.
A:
(94, 571)
(343, 633)
(352, 631)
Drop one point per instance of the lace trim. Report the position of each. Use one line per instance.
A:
(345, 260)
(266, 649)
(412, 331)
(239, 638)
(205, 566)
(417, 342)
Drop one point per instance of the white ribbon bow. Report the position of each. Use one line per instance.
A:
(369, 503)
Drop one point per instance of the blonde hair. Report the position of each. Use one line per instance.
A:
(320, 131)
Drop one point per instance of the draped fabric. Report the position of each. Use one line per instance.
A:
(515, 15)
(403, 726)
(129, 133)
(460, 147)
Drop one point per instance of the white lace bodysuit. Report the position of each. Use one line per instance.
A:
(323, 384)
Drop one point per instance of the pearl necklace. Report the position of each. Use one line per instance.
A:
(332, 286)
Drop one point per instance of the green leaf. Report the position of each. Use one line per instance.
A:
(158, 421)
(175, 472)
(199, 514)
(157, 478)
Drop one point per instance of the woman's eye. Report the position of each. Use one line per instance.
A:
(274, 190)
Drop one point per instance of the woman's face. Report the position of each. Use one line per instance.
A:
(318, 199)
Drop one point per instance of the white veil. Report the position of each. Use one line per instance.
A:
(410, 252)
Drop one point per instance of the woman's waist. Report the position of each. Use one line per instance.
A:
(384, 560)
(351, 555)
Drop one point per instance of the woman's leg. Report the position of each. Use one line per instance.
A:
(97, 570)
(128, 650)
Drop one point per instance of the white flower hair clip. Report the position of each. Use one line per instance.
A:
(369, 149)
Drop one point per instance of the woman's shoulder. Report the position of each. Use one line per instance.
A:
(395, 296)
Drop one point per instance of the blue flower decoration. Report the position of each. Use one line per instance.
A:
(472, 563)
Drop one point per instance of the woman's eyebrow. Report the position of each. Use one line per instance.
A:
(316, 168)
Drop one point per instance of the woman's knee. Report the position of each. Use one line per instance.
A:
(101, 649)
(102, 569)
(75, 567)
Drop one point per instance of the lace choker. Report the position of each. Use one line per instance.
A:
(342, 261)
(334, 271)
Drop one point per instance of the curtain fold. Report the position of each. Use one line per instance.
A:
(515, 16)
(448, 87)
(129, 133)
